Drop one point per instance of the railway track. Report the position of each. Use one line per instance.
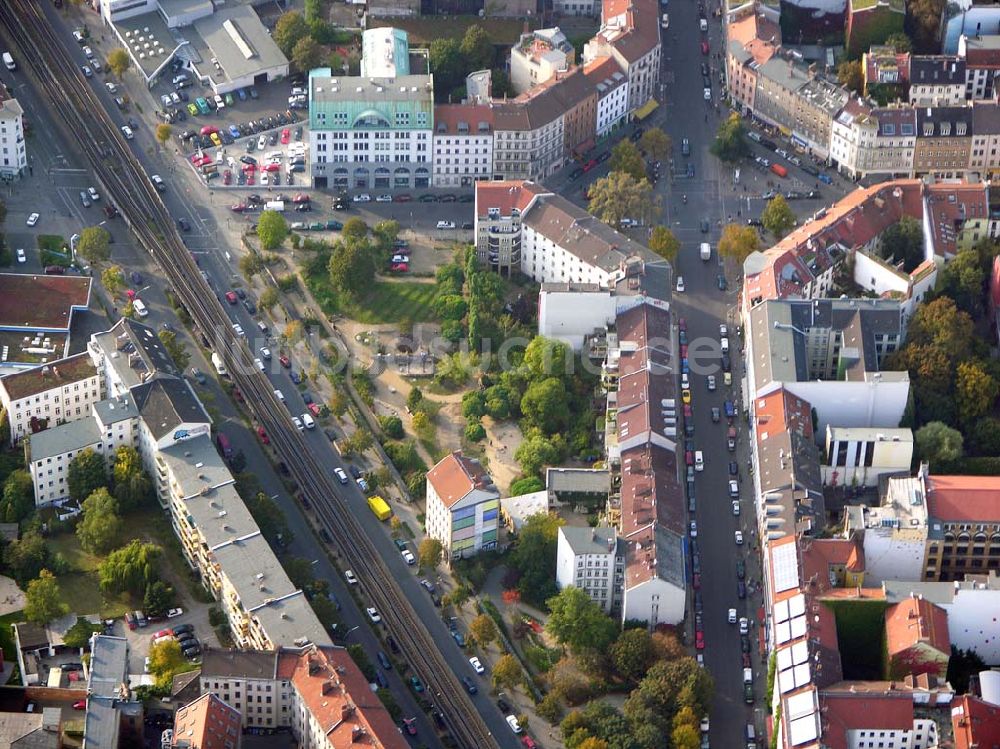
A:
(124, 180)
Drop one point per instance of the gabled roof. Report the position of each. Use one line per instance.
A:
(207, 723)
(821, 554)
(976, 723)
(914, 621)
(463, 119)
(505, 196)
(56, 374)
(854, 709)
(455, 476)
(959, 499)
(167, 403)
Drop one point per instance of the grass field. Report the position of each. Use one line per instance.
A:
(426, 30)
(387, 302)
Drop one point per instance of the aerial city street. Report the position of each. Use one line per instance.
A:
(581, 374)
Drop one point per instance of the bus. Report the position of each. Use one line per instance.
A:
(379, 507)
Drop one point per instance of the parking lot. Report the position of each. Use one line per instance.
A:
(140, 639)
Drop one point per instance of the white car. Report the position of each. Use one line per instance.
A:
(445, 224)
(373, 614)
(265, 353)
(732, 616)
(265, 178)
(477, 665)
(723, 330)
(239, 330)
(127, 132)
(350, 577)
(88, 53)
(734, 488)
(711, 383)
(94, 195)
(362, 198)
(739, 538)
(386, 198)
(341, 476)
(408, 557)
(744, 625)
(262, 143)
(174, 613)
(112, 88)
(298, 423)
(32, 219)
(512, 722)
(708, 94)
(145, 667)
(21, 257)
(680, 284)
(694, 529)
(705, 724)
(219, 102)
(258, 363)
(736, 508)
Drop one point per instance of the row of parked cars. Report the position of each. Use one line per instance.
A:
(228, 135)
(183, 635)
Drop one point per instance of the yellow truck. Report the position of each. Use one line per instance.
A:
(380, 507)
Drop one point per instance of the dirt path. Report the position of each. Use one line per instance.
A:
(502, 440)
(11, 597)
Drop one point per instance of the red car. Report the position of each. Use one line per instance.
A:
(271, 167)
(249, 169)
(231, 297)
(688, 458)
(590, 165)
(404, 198)
(227, 177)
(529, 742)
(301, 198)
(209, 129)
(286, 135)
(238, 396)
(263, 436)
(250, 180)
(80, 705)
(704, 48)
(684, 351)
(163, 633)
(196, 158)
(238, 208)
(688, 411)
(699, 640)
(409, 723)
(682, 323)
(285, 361)
(400, 268)
(314, 409)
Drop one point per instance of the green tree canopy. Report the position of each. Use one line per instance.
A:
(268, 299)
(270, 519)
(903, 242)
(26, 557)
(619, 196)
(535, 453)
(290, 28)
(355, 229)
(738, 242)
(159, 597)
(578, 622)
(850, 76)
(777, 216)
(119, 61)
(271, 229)
(43, 601)
(94, 245)
(534, 556)
(900, 42)
(113, 279)
(100, 527)
(18, 500)
(546, 405)
(975, 391)
(163, 133)
(632, 653)
(447, 63)
(477, 49)
(166, 661)
(626, 158)
(352, 267)
(87, 473)
(730, 145)
(306, 54)
(484, 629)
(938, 443)
(655, 143)
(527, 485)
(130, 568)
(78, 636)
(429, 553)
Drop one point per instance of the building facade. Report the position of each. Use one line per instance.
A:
(463, 506)
(537, 57)
(49, 395)
(13, 156)
(592, 559)
(463, 144)
(609, 81)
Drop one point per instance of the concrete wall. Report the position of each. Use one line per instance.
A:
(637, 602)
(571, 315)
(888, 558)
(970, 626)
(854, 404)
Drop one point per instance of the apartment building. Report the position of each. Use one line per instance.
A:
(861, 456)
(882, 65)
(630, 33)
(50, 394)
(608, 80)
(207, 723)
(538, 56)
(463, 506)
(592, 559)
(36, 314)
(580, 95)
(752, 41)
(976, 720)
(981, 54)
(113, 712)
(576, 7)
(944, 140)
(937, 81)
(463, 144)
(249, 681)
(985, 157)
(917, 639)
(778, 83)
(529, 142)
(499, 207)
(818, 103)
(13, 156)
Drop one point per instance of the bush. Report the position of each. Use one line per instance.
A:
(392, 426)
(474, 431)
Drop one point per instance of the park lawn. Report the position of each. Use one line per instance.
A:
(425, 30)
(394, 301)
(80, 591)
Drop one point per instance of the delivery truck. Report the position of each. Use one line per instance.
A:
(275, 205)
(220, 366)
(379, 507)
(706, 251)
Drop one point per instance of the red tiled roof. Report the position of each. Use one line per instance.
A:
(845, 710)
(208, 723)
(783, 411)
(456, 475)
(640, 32)
(505, 196)
(913, 621)
(976, 723)
(337, 695)
(470, 114)
(819, 555)
(963, 498)
(41, 302)
(950, 205)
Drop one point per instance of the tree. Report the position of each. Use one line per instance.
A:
(738, 242)
(94, 245)
(851, 76)
(251, 264)
(975, 391)
(429, 553)
(655, 143)
(26, 557)
(547, 357)
(43, 600)
(546, 405)
(663, 242)
(165, 661)
(685, 737)
(526, 485)
(306, 54)
(730, 144)
(900, 42)
(986, 436)
(270, 519)
(964, 280)
(158, 599)
(534, 556)
(632, 653)
(923, 22)
(131, 568)
(355, 229)
(352, 267)
(314, 11)
(535, 453)
(625, 158)
(272, 229)
(290, 28)
(163, 133)
(620, 195)
(78, 636)
(18, 497)
(477, 49)
(579, 622)
(392, 426)
(507, 673)
(268, 299)
(777, 216)
(100, 527)
(592, 742)
(549, 708)
(484, 629)
(175, 348)
(903, 242)
(119, 61)
(87, 473)
(113, 279)
(938, 443)
(445, 57)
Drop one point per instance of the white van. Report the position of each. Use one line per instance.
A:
(703, 24)
(179, 78)
(8, 61)
(279, 395)
(140, 308)
(220, 367)
(706, 251)
(724, 342)
(699, 461)
(309, 421)
(748, 676)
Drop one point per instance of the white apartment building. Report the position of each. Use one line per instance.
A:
(592, 559)
(537, 57)
(463, 144)
(50, 394)
(13, 156)
(630, 33)
(860, 456)
(463, 506)
(249, 681)
(576, 7)
(612, 93)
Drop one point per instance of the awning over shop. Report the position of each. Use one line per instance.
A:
(646, 109)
